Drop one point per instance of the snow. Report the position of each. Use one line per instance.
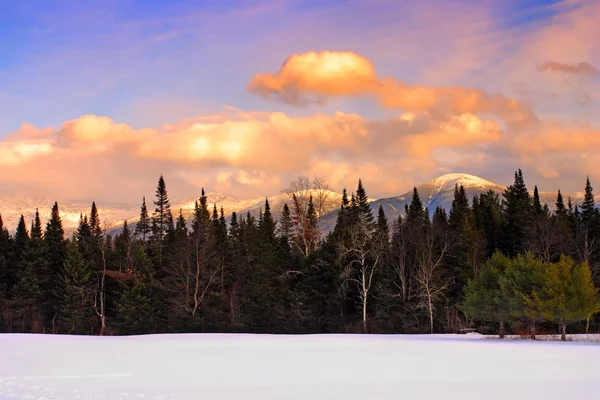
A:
(194, 366)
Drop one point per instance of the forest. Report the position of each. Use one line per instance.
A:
(496, 263)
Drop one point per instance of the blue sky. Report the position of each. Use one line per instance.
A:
(65, 58)
(144, 64)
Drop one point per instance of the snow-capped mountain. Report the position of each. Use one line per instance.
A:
(241, 207)
(436, 192)
(440, 192)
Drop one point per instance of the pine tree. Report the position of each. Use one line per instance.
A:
(566, 295)
(27, 293)
(95, 224)
(589, 213)
(517, 206)
(560, 205)
(363, 209)
(143, 228)
(286, 224)
(138, 306)
(538, 210)
(54, 238)
(484, 299)
(459, 210)
(84, 236)
(5, 250)
(75, 304)
(383, 229)
(18, 244)
(415, 212)
(162, 220)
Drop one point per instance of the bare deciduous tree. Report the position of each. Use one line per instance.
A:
(543, 238)
(300, 191)
(361, 255)
(102, 243)
(432, 286)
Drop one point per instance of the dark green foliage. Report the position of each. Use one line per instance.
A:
(143, 227)
(267, 276)
(162, 222)
(54, 239)
(517, 207)
(484, 299)
(76, 295)
(27, 296)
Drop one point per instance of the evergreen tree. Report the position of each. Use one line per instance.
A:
(95, 224)
(137, 307)
(84, 236)
(363, 209)
(415, 212)
(484, 299)
(5, 250)
(538, 209)
(162, 220)
(517, 207)
(75, 304)
(383, 229)
(54, 238)
(560, 205)
(27, 293)
(588, 207)
(19, 242)
(566, 295)
(459, 210)
(286, 224)
(143, 228)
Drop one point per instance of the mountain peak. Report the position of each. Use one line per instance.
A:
(466, 180)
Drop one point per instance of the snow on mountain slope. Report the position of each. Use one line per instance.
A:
(436, 192)
(440, 192)
(211, 366)
(241, 207)
(11, 209)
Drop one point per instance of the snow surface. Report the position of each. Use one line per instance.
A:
(294, 367)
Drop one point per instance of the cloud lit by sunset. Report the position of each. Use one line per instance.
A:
(390, 105)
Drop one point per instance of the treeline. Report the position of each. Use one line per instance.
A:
(496, 261)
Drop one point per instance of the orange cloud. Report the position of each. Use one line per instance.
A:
(323, 74)
(242, 154)
(331, 73)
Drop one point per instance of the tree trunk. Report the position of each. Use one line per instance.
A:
(532, 330)
(430, 304)
(364, 316)
(563, 332)
(501, 329)
(587, 325)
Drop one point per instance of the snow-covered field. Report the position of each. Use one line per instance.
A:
(295, 367)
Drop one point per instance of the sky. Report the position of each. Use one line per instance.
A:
(97, 99)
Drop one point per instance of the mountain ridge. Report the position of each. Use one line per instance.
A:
(436, 192)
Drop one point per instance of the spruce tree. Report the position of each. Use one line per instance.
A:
(588, 208)
(18, 244)
(162, 220)
(27, 293)
(286, 224)
(95, 224)
(54, 238)
(363, 209)
(560, 205)
(5, 249)
(415, 212)
(383, 229)
(143, 227)
(538, 209)
(75, 304)
(517, 206)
